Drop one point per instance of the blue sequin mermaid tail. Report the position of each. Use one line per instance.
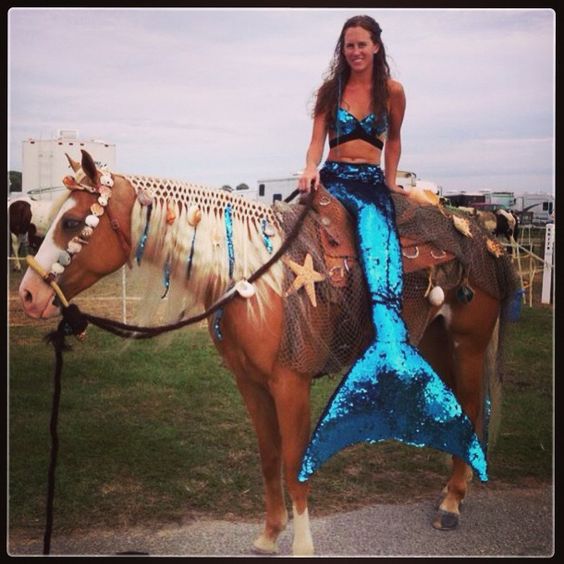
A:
(390, 392)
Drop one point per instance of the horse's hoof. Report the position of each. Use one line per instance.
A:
(305, 549)
(445, 520)
(265, 546)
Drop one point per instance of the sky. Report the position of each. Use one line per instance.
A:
(224, 96)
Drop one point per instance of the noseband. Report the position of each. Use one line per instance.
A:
(103, 191)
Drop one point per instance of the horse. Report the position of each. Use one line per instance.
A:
(205, 240)
(501, 223)
(29, 221)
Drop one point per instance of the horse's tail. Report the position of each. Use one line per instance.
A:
(492, 388)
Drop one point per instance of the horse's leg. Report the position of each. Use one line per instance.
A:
(262, 411)
(470, 329)
(291, 393)
(15, 249)
(251, 365)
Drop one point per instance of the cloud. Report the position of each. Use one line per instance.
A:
(227, 92)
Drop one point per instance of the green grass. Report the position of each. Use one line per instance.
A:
(156, 431)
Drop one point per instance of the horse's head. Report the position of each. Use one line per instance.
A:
(87, 238)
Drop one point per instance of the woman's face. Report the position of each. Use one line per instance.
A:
(359, 49)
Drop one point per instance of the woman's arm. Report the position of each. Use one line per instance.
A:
(313, 155)
(392, 149)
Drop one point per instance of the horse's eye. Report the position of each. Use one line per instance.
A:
(70, 223)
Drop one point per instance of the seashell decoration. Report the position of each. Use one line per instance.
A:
(64, 258)
(465, 294)
(170, 215)
(92, 220)
(144, 197)
(245, 289)
(74, 246)
(463, 225)
(105, 192)
(106, 180)
(194, 215)
(436, 296)
(97, 209)
(495, 248)
(269, 230)
(57, 268)
(87, 232)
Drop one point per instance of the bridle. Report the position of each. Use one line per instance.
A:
(102, 190)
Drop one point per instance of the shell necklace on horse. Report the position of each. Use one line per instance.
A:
(312, 312)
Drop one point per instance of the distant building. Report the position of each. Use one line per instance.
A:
(482, 200)
(44, 164)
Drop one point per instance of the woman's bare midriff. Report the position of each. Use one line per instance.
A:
(356, 151)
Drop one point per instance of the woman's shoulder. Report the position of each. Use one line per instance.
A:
(395, 88)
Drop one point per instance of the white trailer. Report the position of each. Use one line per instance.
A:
(540, 205)
(44, 164)
(407, 179)
(276, 189)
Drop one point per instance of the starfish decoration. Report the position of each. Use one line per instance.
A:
(306, 277)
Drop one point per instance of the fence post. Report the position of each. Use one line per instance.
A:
(123, 295)
(547, 272)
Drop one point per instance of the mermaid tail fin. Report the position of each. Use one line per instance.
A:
(391, 392)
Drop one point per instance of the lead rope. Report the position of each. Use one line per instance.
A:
(75, 322)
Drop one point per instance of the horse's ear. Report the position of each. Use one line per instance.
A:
(88, 166)
(73, 164)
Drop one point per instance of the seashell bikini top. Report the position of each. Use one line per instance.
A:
(349, 127)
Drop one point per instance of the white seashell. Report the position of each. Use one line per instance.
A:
(92, 220)
(436, 296)
(245, 289)
(462, 225)
(144, 198)
(105, 192)
(194, 215)
(64, 258)
(73, 247)
(269, 231)
(103, 201)
(86, 232)
(106, 180)
(57, 268)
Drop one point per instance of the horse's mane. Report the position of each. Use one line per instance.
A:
(227, 245)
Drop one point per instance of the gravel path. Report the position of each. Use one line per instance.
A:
(512, 522)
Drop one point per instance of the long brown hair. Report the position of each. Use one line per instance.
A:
(329, 93)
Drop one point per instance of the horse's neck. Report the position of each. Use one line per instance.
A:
(226, 245)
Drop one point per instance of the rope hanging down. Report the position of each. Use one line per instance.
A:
(75, 322)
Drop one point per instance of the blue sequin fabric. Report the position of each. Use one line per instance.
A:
(391, 392)
(346, 123)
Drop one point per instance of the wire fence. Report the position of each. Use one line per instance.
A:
(118, 295)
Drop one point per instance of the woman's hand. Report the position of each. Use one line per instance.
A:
(397, 189)
(308, 180)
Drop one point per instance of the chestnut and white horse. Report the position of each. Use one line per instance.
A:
(104, 224)
(29, 221)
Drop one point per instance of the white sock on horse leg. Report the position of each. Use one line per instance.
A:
(303, 542)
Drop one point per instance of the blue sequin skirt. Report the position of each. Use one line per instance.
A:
(390, 392)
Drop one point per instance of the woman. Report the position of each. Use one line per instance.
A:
(390, 392)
